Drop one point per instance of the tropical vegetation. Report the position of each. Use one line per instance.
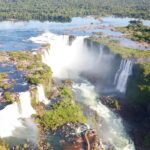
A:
(65, 9)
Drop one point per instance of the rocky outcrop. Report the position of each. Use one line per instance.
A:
(78, 137)
(110, 102)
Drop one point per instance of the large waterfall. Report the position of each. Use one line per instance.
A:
(12, 114)
(122, 75)
(70, 61)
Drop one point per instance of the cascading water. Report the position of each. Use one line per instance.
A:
(110, 128)
(26, 109)
(119, 71)
(122, 75)
(41, 95)
(9, 118)
(12, 114)
(69, 61)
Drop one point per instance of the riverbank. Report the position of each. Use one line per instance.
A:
(133, 106)
(58, 100)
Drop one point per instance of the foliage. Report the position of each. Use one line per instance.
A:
(25, 59)
(3, 145)
(62, 112)
(39, 76)
(63, 10)
(3, 75)
(3, 84)
(125, 52)
(33, 93)
(138, 89)
(35, 71)
(137, 31)
(63, 92)
(8, 97)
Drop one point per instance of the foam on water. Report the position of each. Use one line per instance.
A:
(67, 61)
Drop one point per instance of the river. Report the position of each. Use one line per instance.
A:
(90, 66)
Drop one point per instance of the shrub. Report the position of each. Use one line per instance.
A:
(7, 96)
(62, 112)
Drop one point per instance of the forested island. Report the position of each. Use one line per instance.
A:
(64, 10)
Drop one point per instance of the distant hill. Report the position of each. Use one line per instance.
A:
(62, 10)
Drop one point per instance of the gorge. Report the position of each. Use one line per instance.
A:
(94, 71)
(75, 60)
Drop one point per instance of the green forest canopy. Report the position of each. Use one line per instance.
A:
(63, 10)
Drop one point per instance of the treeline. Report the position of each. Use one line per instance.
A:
(63, 10)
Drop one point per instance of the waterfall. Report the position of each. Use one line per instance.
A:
(25, 104)
(9, 118)
(119, 71)
(12, 114)
(121, 77)
(60, 47)
(100, 56)
(69, 61)
(111, 128)
(41, 95)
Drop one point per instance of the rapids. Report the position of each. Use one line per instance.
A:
(72, 61)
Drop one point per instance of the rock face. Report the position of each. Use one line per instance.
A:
(110, 102)
(78, 137)
(138, 119)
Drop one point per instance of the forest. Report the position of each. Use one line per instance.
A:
(63, 10)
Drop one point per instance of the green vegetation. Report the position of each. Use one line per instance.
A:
(35, 71)
(42, 76)
(4, 85)
(62, 112)
(63, 10)
(25, 60)
(138, 89)
(8, 97)
(137, 31)
(65, 92)
(116, 48)
(34, 97)
(39, 76)
(3, 145)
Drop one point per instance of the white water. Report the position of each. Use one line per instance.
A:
(111, 128)
(11, 115)
(67, 62)
(41, 95)
(9, 120)
(122, 75)
(26, 109)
